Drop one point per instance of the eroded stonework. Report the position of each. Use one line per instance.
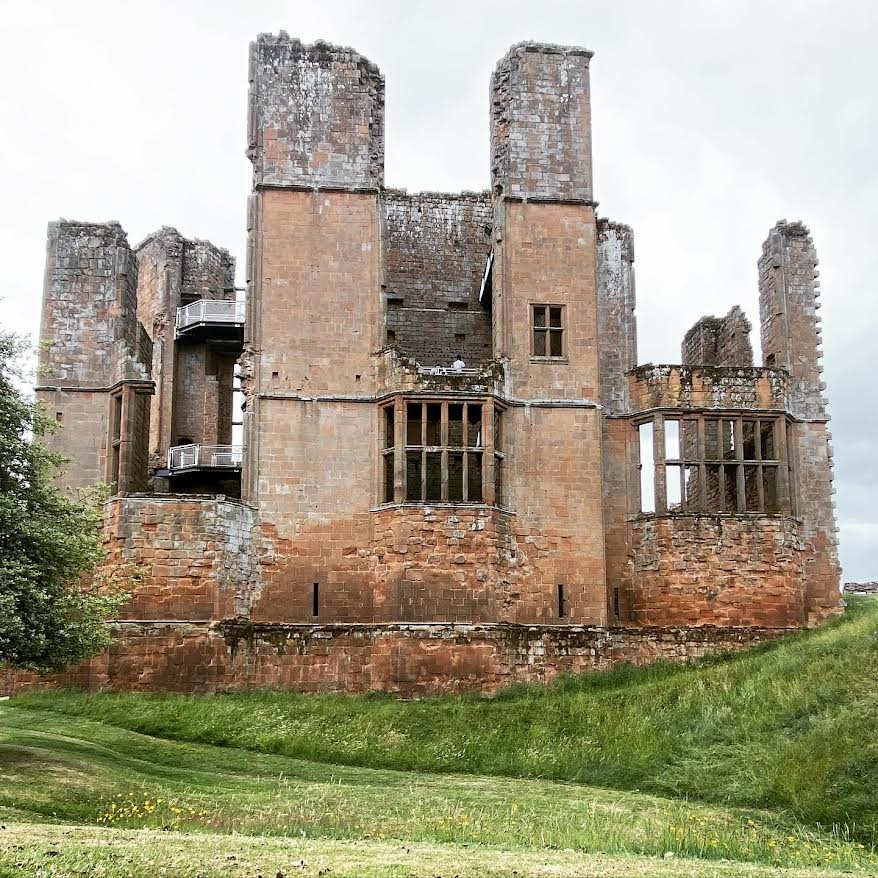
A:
(451, 471)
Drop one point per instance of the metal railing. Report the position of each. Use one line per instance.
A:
(205, 457)
(448, 370)
(210, 311)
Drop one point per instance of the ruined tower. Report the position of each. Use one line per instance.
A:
(453, 471)
(545, 315)
(95, 356)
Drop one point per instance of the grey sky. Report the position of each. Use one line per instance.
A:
(712, 120)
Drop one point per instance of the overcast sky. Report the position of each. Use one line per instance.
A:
(712, 120)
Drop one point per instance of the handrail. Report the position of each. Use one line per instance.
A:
(447, 370)
(210, 311)
(205, 456)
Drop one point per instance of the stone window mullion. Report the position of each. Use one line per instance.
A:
(784, 500)
(399, 458)
(658, 450)
(739, 468)
(488, 492)
(443, 441)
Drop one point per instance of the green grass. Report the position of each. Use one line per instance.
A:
(105, 785)
(790, 726)
(35, 851)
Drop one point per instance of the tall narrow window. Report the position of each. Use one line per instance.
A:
(315, 600)
(562, 601)
(547, 322)
(115, 438)
(387, 454)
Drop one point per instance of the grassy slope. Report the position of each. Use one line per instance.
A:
(382, 822)
(790, 726)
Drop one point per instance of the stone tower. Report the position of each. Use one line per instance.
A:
(789, 299)
(95, 356)
(544, 275)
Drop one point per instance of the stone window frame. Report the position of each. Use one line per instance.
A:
(549, 330)
(114, 438)
(395, 456)
(759, 485)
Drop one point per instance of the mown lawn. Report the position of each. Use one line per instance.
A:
(203, 804)
(792, 726)
(30, 850)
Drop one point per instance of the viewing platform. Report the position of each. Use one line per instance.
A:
(187, 458)
(211, 320)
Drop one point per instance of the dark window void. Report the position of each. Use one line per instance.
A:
(547, 322)
(562, 602)
(722, 464)
(116, 438)
(315, 600)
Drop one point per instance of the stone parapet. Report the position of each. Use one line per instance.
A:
(707, 387)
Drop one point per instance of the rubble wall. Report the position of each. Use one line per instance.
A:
(714, 570)
(407, 660)
(435, 248)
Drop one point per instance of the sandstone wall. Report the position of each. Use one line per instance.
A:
(316, 115)
(696, 570)
(541, 123)
(715, 341)
(407, 660)
(199, 553)
(616, 323)
(93, 349)
(435, 248)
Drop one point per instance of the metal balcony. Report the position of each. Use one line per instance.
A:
(466, 372)
(209, 319)
(188, 458)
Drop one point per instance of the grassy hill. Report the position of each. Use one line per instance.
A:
(127, 804)
(793, 725)
(736, 766)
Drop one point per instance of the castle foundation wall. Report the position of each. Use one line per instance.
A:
(407, 660)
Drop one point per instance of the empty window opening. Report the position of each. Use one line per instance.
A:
(704, 464)
(59, 416)
(315, 600)
(616, 603)
(459, 336)
(395, 301)
(239, 405)
(115, 438)
(444, 459)
(647, 468)
(547, 322)
(391, 336)
(458, 306)
(562, 602)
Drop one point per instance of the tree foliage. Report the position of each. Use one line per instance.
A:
(48, 542)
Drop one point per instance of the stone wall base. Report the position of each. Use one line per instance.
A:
(409, 660)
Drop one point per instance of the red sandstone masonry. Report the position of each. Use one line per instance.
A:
(723, 570)
(407, 660)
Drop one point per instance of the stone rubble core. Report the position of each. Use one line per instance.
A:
(392, 521)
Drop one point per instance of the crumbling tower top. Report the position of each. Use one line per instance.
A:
(541, 123)
(316, 115)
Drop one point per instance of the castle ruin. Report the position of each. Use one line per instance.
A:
(323, 501)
